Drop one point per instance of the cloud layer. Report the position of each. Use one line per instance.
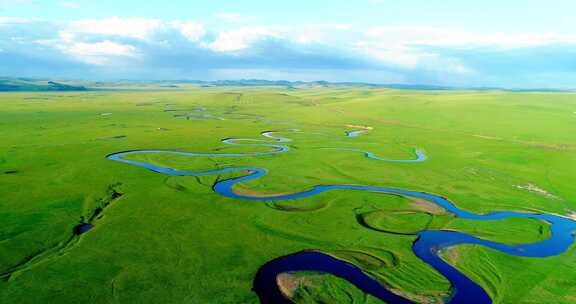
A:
(141, 48)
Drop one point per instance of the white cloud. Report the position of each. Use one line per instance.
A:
(193, 31)
(436, 53)
(320, 33)
(448, 37)
(232, 17)
(399, 56)
(135, 27)
(67, 37)
(412, 47)
(411, 58)
(100, 53)
(240, 39)
(75, 39)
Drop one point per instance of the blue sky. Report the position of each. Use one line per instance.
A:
(511, 43)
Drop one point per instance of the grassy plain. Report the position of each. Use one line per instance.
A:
(172, 240)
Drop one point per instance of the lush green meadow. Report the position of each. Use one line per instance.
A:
(166, 239)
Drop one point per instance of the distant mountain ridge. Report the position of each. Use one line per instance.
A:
(39, 85)
(322, 83)
(33, 85)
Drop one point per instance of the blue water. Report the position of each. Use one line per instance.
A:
(420, 156)
(267, 289)
(426, 247)
(355, 133)
(82, 228)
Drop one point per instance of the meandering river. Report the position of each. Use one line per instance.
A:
(426, 247)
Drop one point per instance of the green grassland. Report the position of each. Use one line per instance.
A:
(173, 240)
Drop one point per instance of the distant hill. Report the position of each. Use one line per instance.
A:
(33, 85)
(39, 85)
(321, 83)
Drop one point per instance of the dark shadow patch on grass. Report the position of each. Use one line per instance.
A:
(300, 207)
(361, 218)
(368, 261)
(117, 137)
(172, 183)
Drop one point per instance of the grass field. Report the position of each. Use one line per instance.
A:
(173, 240)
